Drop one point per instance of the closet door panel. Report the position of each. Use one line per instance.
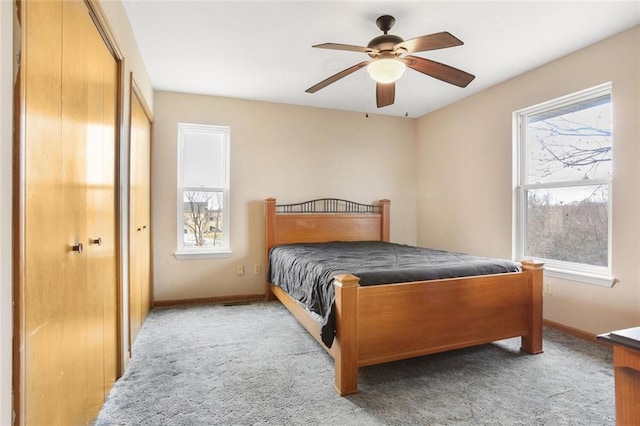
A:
(73, 193)
(97, 187)
(135, 228)
(140, 219)
(43, 250)
(145, 213)
(101, 222)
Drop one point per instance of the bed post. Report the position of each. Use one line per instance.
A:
(270, 235)
(384, 223)
(532, 343)
(346, 342)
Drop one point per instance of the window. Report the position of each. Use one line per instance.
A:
(203, 191)
(563, 185)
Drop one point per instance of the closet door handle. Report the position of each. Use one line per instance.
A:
(97, 241)
(78, 248)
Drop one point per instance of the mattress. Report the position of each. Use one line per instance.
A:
(305, 271)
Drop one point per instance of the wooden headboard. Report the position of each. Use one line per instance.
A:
(323, 220)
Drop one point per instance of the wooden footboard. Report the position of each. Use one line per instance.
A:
(398, 321)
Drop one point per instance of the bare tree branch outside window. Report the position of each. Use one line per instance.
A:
(569, 223)
(202, 218)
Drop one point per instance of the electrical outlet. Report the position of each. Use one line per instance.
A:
(548, 288)
(240, 270)
(257, 268)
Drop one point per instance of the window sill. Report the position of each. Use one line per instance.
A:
(186, 255)
(581, 277)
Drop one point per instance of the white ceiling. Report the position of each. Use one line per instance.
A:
(261, 50)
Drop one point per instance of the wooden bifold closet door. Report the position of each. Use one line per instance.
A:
(140, 299)
(68, 327)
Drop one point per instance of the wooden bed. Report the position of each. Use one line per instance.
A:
(382, 323)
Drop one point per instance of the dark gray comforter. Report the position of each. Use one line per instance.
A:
(306, 271)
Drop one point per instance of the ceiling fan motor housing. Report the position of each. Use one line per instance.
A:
(385, 42)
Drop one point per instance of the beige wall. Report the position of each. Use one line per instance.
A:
(288, 152)
(119, 23)
(465, 176)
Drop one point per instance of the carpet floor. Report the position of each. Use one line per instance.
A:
(255, 365)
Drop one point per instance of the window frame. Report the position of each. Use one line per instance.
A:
(186, 252)
(584, 273)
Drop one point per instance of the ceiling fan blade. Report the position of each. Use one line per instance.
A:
(429, 42)
(324, 83)
(349, 47)
(385, 94)
(440, 71)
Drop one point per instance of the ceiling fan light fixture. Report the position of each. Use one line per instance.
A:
(386, 70)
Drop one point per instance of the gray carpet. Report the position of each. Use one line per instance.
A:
(255, 365)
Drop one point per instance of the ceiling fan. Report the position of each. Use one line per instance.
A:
(389, 60)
